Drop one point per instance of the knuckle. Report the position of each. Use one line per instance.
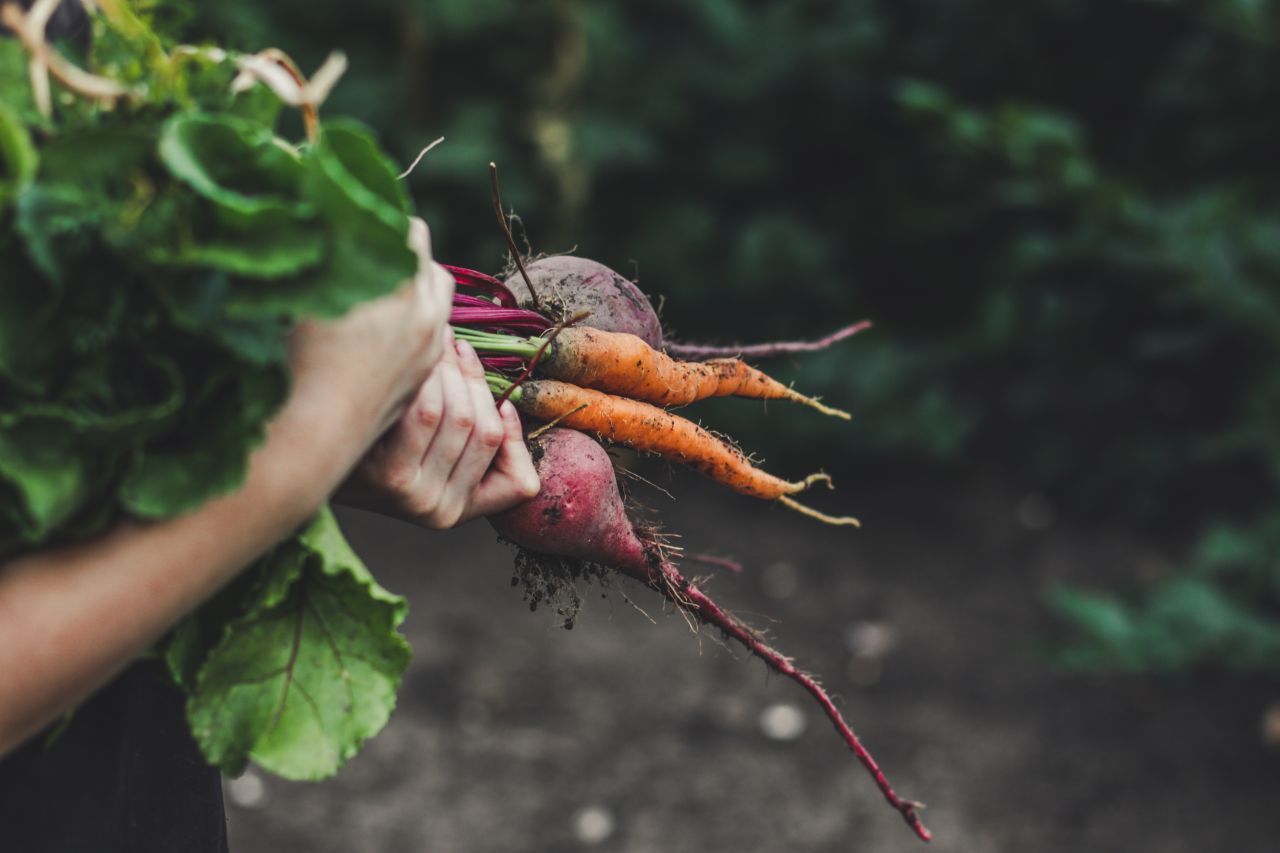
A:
(398, 479)
(463, 421)
(428, 415)
(426, 506)
(490, 436)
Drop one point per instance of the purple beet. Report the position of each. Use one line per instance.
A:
(570, 285)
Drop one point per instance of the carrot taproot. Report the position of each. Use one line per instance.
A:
(647, 428)
(621, 363)
(624, 364)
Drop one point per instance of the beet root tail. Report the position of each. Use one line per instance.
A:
(693, 600)
(701, 352)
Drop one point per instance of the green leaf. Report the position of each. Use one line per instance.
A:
(352, 273)
(257, 104)
(121, 398)
(209, 456)
(108, 159)
(49, 479)
(273, 251)
(353, 186)
(15, 84)
(348, 153)
(27, 306)
(59, 224)
(201, 310)
(236, 164)
(18, 159)
(311, 667)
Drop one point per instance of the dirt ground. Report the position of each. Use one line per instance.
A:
(623, 735)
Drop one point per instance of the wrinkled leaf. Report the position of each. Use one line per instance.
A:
(279, 249)
(59, 224)
(18, 157)
(48, 479)
(210, 456)
(309, 671)
(235, 164)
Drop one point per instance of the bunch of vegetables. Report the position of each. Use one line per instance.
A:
(159, 241)
(611, 381)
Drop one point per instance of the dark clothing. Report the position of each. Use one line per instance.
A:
(124, 777)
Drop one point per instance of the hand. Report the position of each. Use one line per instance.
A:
(354, 376)
(451, 457)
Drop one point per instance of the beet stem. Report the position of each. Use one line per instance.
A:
(506, 232)
(690, 598)
(547, 340)
(700, 352)
(729, 565)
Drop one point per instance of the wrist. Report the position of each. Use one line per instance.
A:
(312, 444)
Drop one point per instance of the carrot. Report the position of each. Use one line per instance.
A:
(645, 427)
(622, 363)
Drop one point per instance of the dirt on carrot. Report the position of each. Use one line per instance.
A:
(623, 364)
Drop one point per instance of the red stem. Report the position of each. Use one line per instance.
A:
(701, 352)
(668, 580)
(719, 562)
(480, 281)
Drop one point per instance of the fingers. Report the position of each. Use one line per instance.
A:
(432, 294)
(402, 450)
(514, 460)
(420, 240)
(458, 419)
(486, 436)
(434, 282)
(512, 480)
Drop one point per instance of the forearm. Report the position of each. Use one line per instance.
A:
(73, 617)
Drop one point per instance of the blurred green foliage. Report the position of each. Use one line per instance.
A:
(1062, 215)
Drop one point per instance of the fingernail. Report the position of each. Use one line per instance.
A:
(465, 350)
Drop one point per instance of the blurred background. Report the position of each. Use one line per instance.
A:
(1060, 626)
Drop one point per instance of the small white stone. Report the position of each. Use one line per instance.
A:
(782, 722)
(869, 639)
(593, 825)
(248, 791)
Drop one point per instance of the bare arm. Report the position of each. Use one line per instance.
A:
(72, 617)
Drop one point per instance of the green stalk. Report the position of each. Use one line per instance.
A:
(497, 343)
(499, 385)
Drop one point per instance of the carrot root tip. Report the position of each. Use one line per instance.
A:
(815, 403)
(835, 520)
(820, 477)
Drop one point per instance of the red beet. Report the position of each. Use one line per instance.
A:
(572, 285)
(579, 513)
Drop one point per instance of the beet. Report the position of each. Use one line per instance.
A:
(569, 285)
(579, 514)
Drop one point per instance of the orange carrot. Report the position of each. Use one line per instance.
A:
(645, 427)
(624, 364)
